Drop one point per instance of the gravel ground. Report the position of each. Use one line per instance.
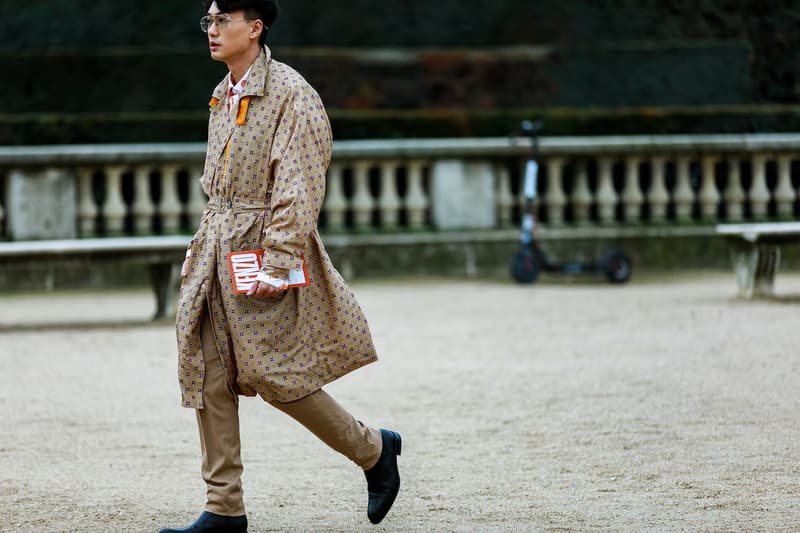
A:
(665, 405)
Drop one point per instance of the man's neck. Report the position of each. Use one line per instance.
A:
(239, 66)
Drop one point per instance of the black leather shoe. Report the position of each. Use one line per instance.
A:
(213, 523)
(383, 479)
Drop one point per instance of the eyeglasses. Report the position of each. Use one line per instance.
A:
(221, 21)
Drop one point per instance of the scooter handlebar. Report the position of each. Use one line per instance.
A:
(530, 128)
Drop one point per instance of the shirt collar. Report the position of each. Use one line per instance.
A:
(239, 87)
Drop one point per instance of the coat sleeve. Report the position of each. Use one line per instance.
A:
(299, 158)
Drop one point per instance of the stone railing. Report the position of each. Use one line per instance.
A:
(404, 186)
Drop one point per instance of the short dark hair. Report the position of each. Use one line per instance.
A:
(265, 10)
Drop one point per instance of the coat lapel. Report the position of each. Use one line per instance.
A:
(220, 126)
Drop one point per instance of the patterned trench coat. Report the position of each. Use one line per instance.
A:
(265, 177)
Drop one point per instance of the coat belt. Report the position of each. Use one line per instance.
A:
(219, 204)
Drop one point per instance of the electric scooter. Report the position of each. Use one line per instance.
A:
(530, 259)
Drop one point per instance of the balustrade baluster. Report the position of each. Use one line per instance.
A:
(734, 193)
(335, 201)
(170, 206)
(683, 195)
(114, 209)
(759, 192)
(142, 207)
(658, 196)
(197, 197)
(505, 202)
(632, 196)
(389, 201)
(708, 195)
(417, 203)
(363, 203)
(581, 195)
(555, 200)
(606, 195)
(87, 207)
(784, 192)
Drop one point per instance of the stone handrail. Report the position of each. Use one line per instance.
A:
(408, 185)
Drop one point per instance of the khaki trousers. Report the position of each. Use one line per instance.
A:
(218, 423)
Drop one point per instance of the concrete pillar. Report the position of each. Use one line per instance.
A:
(658, 196)
(417, 202)
(759, 192)
(784, 191)
(606, 195)
(555, 199)
(683, 194)
(114, 208)
(41, 204)
(582, 195)
(463, 194)
(142, 208)
(363, 202)
(335, 202)
(632, 196)
(87, 207)
(389, 201)
(734, 193)
(170, 207)
(709, 195)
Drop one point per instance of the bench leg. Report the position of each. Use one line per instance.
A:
(163, 277)
(755, 269)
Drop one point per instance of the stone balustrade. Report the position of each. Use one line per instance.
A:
(405, 186)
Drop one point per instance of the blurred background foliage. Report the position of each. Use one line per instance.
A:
(84, 71)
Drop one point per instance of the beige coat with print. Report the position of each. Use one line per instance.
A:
(265, 177)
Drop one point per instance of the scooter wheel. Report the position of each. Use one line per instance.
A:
(617, 267)
(524, 268)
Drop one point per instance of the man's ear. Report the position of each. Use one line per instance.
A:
(258, 27)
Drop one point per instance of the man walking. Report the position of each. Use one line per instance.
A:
(276, 321)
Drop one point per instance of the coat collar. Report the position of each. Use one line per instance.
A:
(256, 81)
(222, 124)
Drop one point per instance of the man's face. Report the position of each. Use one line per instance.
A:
(229, 35)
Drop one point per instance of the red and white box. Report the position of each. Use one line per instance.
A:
(246, 265)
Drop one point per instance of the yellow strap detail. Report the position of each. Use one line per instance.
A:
(225, 164)
(244, 103)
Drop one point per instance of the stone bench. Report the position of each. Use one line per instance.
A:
(162, 254)
(758, 256)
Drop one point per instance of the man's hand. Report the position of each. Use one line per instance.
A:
(265, 291)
